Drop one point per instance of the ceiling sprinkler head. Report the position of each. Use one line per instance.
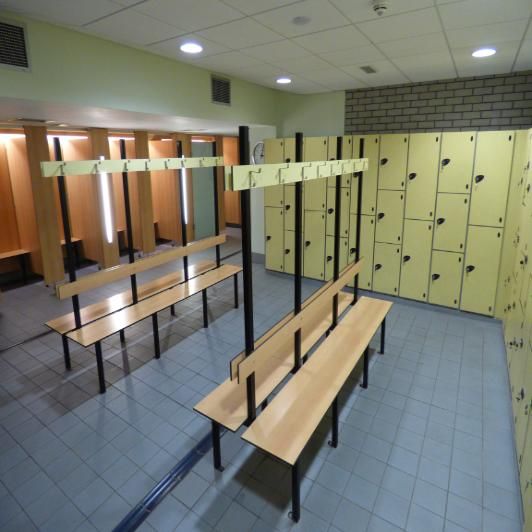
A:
(380, 7)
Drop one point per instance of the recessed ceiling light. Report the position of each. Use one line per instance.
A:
(301, 20)
(191, 48)
(484, 52)
(284, 81)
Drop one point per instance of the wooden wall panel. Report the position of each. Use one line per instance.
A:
(231, 203)
(9, 237)
(118, 191)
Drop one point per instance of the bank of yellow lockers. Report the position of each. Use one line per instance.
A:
(392, 161)
(386, 267)
(445, 278)
(367, 239)
(274, 237)
(370, 177)
(456, 162)
(451, 222)
(390, 209)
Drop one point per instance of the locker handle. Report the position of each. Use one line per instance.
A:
(439, 221)
(469, 268)
(378, 267)
(479, 178)
(412, 176)
(380, 216)
(287, 207)
(330, 211)
(445, 162)
(307, 243)
(268, 237)
(286, 251)
(384, 161)
(521, 395)
(406, 258)
(329, 258)
(435, 276)
(352, 250)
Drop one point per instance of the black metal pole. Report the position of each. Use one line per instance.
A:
(337, 220)
(181, 175)
(298, 255)
(247, 274)
(334, 439)
(129, 226)
(216, 204)
(359, 221)
(63, 199)
(296, 509)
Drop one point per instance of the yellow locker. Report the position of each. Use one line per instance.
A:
(289, 207)
(329, 256)
(274, 247)
(415, 267)
(344, 214)
(347, 153)
(289, 150)
(526, 480)
(445, 278)
(367, 240)
(289, 251)
(369, 179)
(422, 175)
(456, 161)
(521, 392)
(451, 222)
(314, 245)
(491, 176)
(481, 269)
(315, 191)
(392, 161)
(273, 153)
(390, 209)
(387, 263)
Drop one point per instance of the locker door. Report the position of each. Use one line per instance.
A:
(456, 161)
(445, 278)
(329, 256)
(347, 153)
(481, 269)
(289, 150)
(273, 224)
(526, 478)
(415, 267)
(390, 209)
(315, 191)
(369, 179)
(273, 153)
(289, 207)
(331, 212)
(422, 175)
(314, 245)
(451, 222)
(387, 263)
(521, 394)
(392, 161)
(491, 176)
(367, 241)
(289, 251)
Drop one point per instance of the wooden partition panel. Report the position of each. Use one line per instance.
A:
(45, 207)
(231, 199)
(186, 145)
(9, 237)
(118, 190)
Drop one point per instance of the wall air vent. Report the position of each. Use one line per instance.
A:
(220, 90)
(368, 69)
(13, 51)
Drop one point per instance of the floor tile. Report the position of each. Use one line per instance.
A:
(392, 508)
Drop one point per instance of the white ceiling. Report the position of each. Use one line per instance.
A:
(256, 40)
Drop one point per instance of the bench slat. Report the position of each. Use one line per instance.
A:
(286, 426)
(104, 327)
(227, 403)
(13, 253)
(66, 323)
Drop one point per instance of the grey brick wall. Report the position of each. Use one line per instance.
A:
(502, 101)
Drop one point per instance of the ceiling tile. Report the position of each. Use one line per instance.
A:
(131, 27)
(301, 64)
(331, 40)
(477, 12)
(171, 48)
(251, 7)
(423, 44)
(228, 62)
(524, 59)
(278, 50)
(241, 34)
(487, 34)
(497, 64)
(354, 56)
(361, 10)
(425, 67)
(333, 78)
(322, 15)
(191, 14)
(69, 12)
(387, 74)
(420, 22)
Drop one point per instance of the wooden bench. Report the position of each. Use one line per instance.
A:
(76, 243)
(285, 427)
(21, 254)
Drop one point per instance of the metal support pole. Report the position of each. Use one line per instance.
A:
(235, 283)
(181, 175)
(99, 364)
(383, 335)
(122, 337)
(359, 221)
(63, 199)
(295, 493)
(22, 261)
(337, 220)
(216, 204)
(334, 440)
(298, 256)
(205, 309)
(129, 225)
(66, 352)
(216, 448)
(172, 310)
(366, 369)
(247, 273)
(155, 324)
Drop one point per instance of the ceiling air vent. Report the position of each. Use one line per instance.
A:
(220, 90)
(13, 50)
(368, 69)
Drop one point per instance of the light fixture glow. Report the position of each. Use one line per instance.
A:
(166, 140)
(4, 137)
(191, 48)
(68, 137)
(185, 193)
(484, 52)
(106, 205)
(284, 81)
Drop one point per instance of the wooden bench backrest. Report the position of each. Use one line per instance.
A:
(122, 271)
(269, 347)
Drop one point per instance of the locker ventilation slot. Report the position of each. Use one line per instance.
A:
(368, 69)
(221, 90)
(13, 50)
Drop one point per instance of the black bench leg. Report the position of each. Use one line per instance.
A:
(216, 449)
(172, 310)
(76, 255)
(205, 315)
(22, 259)
(383, 335)
(366, 368)
(155, 323)
(235, 282)
(66, 352)
(264, 404)
(122, 337)
(99, 364)
(334, 441)
(295, 493)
